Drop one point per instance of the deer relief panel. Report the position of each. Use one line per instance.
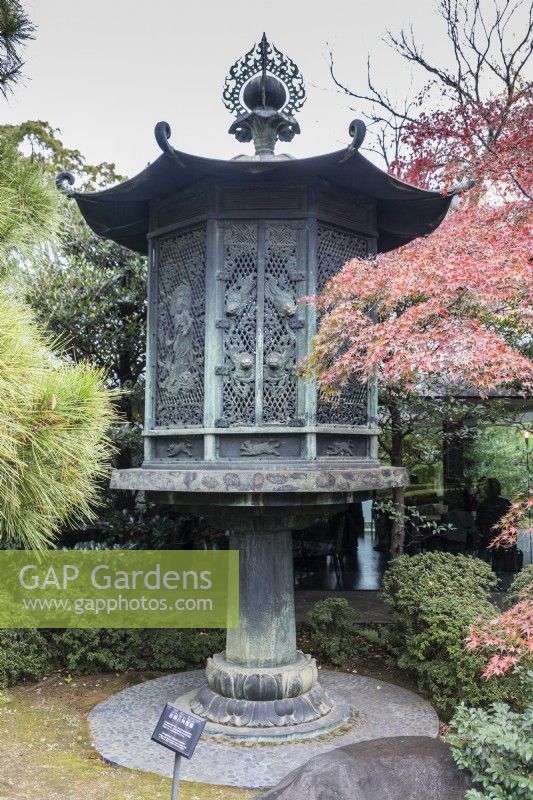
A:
(240, 320)
(280, 323)
(179, 400)
(334, 248)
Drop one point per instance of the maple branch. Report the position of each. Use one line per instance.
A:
(483, 48)
(387, 127)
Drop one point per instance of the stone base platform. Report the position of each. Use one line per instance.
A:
(339, 715)
(122, 725)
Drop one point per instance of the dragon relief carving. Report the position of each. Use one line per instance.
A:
(237, 297)
(266, 447)
(240, 329)
(340, 449)
(280, 323)
(282, 298)
(178, 449)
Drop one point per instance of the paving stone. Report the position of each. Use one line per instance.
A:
(122, 725)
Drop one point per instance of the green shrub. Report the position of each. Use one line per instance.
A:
(496, 746)
(330, 629)
(521, 588)
(31, 654)
(435, 597)
(85, 651)
(24, 655)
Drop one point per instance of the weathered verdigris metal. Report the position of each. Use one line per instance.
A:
(264, 103)
(232, 431)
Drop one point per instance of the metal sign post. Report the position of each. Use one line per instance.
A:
(178, 731)
(176, 777)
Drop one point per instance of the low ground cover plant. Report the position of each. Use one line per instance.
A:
(496, 744)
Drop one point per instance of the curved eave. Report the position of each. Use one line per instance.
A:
(404, 212)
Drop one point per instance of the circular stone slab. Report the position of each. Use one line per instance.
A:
(122, 725)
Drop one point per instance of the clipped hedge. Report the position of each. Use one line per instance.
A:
(330, 627)
(521, 588)
(435, 598)
(31, 654)
(24, 655)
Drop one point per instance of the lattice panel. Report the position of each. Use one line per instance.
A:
(240, 297)
(335, 248)
(279, 357)
(181, 330)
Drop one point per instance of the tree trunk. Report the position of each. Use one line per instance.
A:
(398, 493)
(398, 526)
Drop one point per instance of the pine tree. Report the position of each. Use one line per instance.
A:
(54, 414)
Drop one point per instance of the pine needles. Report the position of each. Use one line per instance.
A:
(54, 415)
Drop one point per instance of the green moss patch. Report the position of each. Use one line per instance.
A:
(46, 751)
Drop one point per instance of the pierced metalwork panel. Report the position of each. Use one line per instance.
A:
(334, 248)
(181, 330)
(240, 301)
(280, 344)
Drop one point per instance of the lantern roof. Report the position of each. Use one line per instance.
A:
(264, 89)
(121, 213)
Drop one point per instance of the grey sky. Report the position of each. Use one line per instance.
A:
(106, 71)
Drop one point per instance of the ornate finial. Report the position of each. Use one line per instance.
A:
(64, 181)
(264, 88)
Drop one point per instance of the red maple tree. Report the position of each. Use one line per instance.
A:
(490, 139)
(506, 640)
(451, 311)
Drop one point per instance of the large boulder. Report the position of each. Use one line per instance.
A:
(393, 768)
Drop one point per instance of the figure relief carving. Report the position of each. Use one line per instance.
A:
(179, 449)
(267, 447)
(180, 298)
(340, 449)
(178, 358)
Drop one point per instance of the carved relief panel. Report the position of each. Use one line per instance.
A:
(179, 399)
(239, 324)
(260, 323)
(280, 318)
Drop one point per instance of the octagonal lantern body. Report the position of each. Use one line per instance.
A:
(229, 264)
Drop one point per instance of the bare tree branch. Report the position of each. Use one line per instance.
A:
(485, 51)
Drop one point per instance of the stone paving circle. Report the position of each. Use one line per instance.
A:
(122, 725)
